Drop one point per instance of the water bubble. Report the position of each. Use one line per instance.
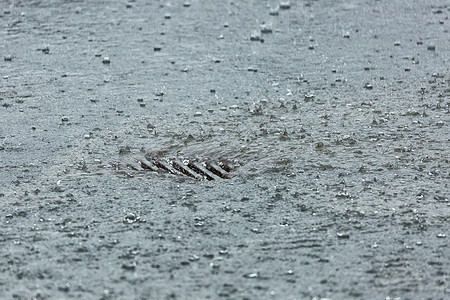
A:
(309, 97)
(252, 275)
(368, 86)
(106, 60)
(129, 266)
(274, 11)
(266, 29)
(285, 5)
(289, 272)
(193, 257)
(223, 252)
(131, 218)
(255, 37)
(65, 288)
(343, 235)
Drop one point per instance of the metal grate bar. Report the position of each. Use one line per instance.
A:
(147, 165)
(199, 168)
(216, 169)
(162, 164)
(180, 166)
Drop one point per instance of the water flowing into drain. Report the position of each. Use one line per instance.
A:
(200, 169)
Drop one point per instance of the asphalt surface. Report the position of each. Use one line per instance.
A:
(334, 114)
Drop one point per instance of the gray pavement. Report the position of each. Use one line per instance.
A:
(335, 115)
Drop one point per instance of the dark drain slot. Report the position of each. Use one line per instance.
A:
(225, 166)
(165, 166)
(199, 168)
(180, 166)
(216, 169)
(145, 164)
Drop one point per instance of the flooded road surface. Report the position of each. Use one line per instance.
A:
(328, 119)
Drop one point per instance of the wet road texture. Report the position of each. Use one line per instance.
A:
(332, 116)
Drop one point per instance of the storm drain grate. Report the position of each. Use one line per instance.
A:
(195, 168)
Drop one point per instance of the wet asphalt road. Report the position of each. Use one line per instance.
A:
(335, 114)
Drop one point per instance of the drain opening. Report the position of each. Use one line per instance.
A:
(197, 169)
